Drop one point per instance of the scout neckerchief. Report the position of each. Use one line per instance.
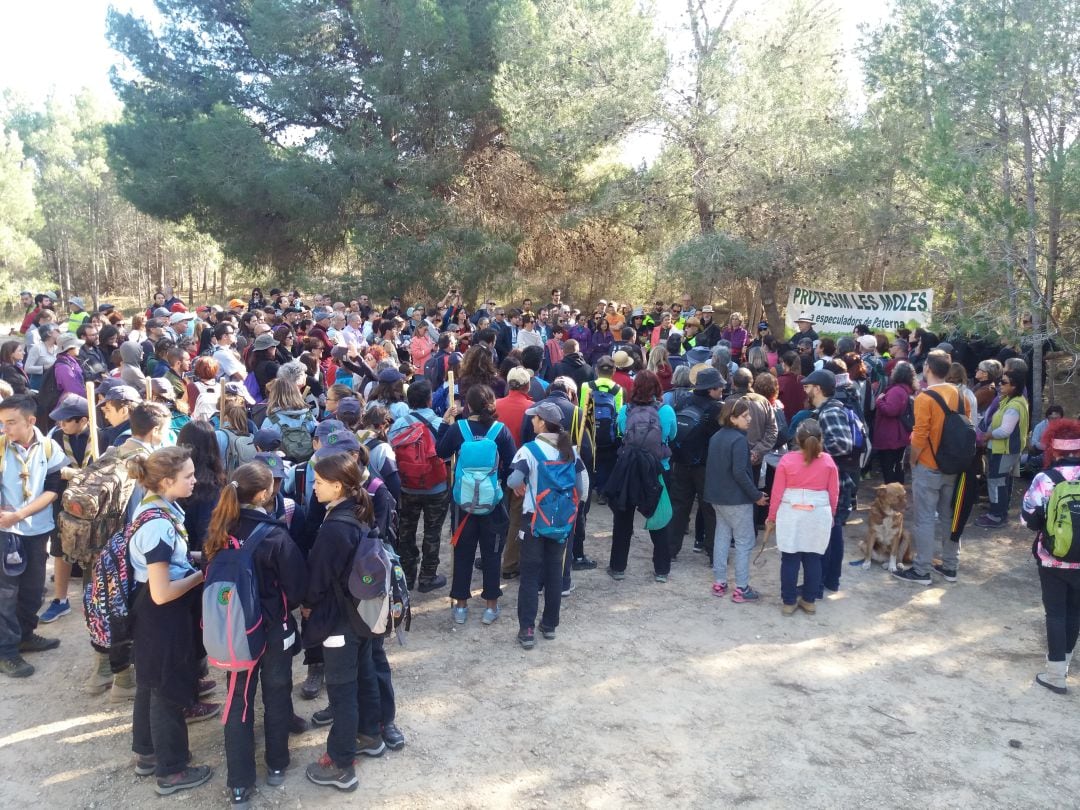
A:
(24, 460)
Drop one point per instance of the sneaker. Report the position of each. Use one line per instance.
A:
(948, 574)
(569, 589)
(36, 643)
(526, 638)
(190, 777)
(393, 737)
(275, 777)
(298, 725)
(746, 594)
(240, 798)
(660, 577)
(910, 576)
(145, 764)
(325, 772)
(206, 686)
(618, 576)
(16, 667)
(789, 610)
(323, 717)
(547, 632)
(988, 521)
(491, 614)
(201, 711)
(699, 546)
(459, 614)
(719, 588)
(807, 607)
(582, 564)
(428, 584)
(54, 611)
(313, 683)
(511, 574)
(370, 746)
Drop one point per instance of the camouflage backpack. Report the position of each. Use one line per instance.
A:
(93, 507)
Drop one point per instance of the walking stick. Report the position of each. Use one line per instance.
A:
(91, 413)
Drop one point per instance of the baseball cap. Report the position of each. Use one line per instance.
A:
(822, 378)
(106, 307)
(178, 307)
(548, 411)
(177, 317)
(707, 308)
(321, 314)
(328, 426)
(763, 325)
(237, 303)
(338, 441)
(161, 387)
(267, 439)
(868, 342)
(71, 407)
(604, 362)
(349, 406)
(520, 377)
(390, 375)
(273, 461)
(161, 312)
(122, 393)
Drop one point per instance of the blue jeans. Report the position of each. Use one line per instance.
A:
(789, 576)
(350, 672)
(541, 564)
(275, 671)
(20, 597)
(733, 521)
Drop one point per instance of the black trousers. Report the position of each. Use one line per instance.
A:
(1061, 601)
(686, 482)
(275, 671)
(158, 728)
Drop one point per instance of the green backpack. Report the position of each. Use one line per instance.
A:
(1063, 517)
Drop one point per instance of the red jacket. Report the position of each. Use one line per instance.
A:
(625, 381)
(790, 393)
(889, 433)
(510, 410)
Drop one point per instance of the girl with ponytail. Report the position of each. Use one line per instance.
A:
(801, 509)
(165, 613)
(245, 505)
(349, 666)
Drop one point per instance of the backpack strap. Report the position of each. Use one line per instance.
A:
(1055, 475)
(494, 430)
(934, 395)
(257, 535)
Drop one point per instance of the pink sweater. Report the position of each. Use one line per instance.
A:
(795, 473)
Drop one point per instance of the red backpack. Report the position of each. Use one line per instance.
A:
(418, 465)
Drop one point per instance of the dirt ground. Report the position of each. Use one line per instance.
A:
(653, 695)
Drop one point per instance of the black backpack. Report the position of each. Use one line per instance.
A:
(48, 397)
(689, 446)
(956, 450)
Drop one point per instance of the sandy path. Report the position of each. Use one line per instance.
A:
(652, 695)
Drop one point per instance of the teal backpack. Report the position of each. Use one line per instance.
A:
(476, 482)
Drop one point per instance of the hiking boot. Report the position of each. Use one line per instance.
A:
(1055, 676)
(910, 576)
(582, 564)
(789, 610)
(569, 589)
(511, 574)
(325, 772)
(206, 686)
(618, 576)
(323, 717)
(393, 737)
(298, 725)
(275, 777)
(55, 610)
(948, 574)
(123, 685)
(807, 607)
(370, 746)
(145, 764)
(526, 638)
(746, 594)
(201, 711)
(547, 632)
(240, 798)
(491, 614)
(719, 589)
(988, 521)
(101, 676)
(459, 614)
(429, 584)
(36, 643)
(190, 777)
(16, 667)
(313, 683)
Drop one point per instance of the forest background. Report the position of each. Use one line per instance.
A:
(409, 146)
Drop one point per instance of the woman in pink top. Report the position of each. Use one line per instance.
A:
(801, 510)
(1059, 575)
(421, 346)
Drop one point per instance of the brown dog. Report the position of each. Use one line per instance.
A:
(886, 541)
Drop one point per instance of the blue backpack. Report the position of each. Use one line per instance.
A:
(234, 633)
(603, 414)
(556, 496)
(476, 481)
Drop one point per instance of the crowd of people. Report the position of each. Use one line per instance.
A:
(316, 438)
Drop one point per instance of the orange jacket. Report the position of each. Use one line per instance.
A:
(929, 422)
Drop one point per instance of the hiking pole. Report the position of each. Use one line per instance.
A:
(91, 413)
(221, 402)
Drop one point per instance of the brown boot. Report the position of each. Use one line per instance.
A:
(101, 676)
(123, 686)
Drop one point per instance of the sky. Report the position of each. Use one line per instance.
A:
(60, 47)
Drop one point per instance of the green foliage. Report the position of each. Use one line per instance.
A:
(19, 215)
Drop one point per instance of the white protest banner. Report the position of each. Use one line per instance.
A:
(840, 311)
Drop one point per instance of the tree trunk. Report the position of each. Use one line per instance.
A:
(1038, 308)
(1007, 255)
(769, 290)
